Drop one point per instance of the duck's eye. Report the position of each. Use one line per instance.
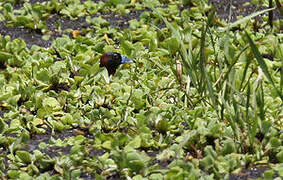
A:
(115, 56)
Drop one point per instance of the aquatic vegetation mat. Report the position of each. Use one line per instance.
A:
(202, 101)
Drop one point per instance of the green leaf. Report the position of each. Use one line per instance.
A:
(43, 75)
(229, 147)
(50, 102)
(116, 2)
(162, 126)
(279, 156)
(156, 176)
(268, 175)
(68, 119)
(24, 175)
(4, 56)
(207, 162)
(172, 44)
(135, 143)
(136, 161)
(275, 142)
(24, 156)
(107, 145)
(13, 174)
(99, 21)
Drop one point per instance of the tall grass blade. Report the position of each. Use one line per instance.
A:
(262, 64)
(204, 76)
(279, 6)
(248, 121)
(254, 120)
(260, 102)
(237, 113)
(228, 115)
(245, 72)
(234, 62)
(202, 62)
(240, 21)
(270, 14)
(281, 76)
(280, 53)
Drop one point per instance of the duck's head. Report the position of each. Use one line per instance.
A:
(111, 60)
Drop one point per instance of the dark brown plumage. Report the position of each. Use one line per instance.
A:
(112, 60)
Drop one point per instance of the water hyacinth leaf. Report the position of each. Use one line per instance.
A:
(58, 66)
(135, 143)
(229, 147)
(207, 162)
(79, 139)
(32, 169)
(57, 125)
(279, 156)
(24, 156)
(210, 151)
(78, 79)
(275, 142)
(76, 174)
(3, 125)
(136, 165)
(127, 47)
(157, 176)
(268, 174)
(43, 75)
(14, 99)
(137, 161)
(107, 145)
(117, 2)
(162, 126)
(68, 119)
(13, 174)
(50, 102)
(22, 20)
(4, 56)
(8, 7)
(137, 98)
(15, 123)
(99, 21)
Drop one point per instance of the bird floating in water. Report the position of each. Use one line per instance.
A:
(111, 60)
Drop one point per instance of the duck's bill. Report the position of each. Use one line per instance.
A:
(126, 60)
